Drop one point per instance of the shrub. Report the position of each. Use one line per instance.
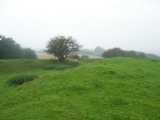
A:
(73, 57)
(18, 80)
(76, 57)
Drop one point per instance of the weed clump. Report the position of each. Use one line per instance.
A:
(18, 80)
(112, 72)
(115, 102)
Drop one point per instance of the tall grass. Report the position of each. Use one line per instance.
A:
(18, 80)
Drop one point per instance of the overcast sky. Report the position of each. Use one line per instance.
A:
(128, 24)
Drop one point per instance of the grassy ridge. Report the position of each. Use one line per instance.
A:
(113, 89)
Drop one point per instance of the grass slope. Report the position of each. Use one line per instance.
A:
(99, 89)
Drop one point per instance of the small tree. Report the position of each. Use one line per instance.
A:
(61, 46)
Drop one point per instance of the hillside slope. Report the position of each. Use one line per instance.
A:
(112, 89)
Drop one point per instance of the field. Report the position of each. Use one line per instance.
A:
(43, 55)
(91, 89)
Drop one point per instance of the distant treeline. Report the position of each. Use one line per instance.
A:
(116, 52)
(98, 51)
(9, 49)
(152, 55)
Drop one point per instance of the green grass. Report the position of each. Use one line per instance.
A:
(98, 89)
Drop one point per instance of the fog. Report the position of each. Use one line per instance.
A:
(128, 24)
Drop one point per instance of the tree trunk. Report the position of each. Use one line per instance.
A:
(61, 59)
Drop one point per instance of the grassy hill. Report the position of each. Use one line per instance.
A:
(98, 89)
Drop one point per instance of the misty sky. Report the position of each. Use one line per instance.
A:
(128, 24)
